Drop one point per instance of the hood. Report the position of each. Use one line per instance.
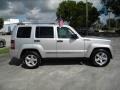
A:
(97, 40)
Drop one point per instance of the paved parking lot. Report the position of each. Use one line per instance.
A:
(62, 75)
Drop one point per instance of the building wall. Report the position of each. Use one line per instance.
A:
(9, 24)
(9, 27)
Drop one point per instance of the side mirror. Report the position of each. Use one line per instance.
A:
(74, 36)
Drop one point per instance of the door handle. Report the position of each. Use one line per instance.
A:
(59, 40)
(36, 40)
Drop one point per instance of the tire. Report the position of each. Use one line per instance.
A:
(31, 60)
(100, 58)
(1, 44)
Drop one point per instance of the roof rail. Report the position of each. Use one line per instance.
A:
(23, 23)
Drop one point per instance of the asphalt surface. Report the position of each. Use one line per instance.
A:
(61, 75)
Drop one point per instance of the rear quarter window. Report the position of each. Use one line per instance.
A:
(24, 32)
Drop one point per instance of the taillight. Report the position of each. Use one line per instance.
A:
(12, 44)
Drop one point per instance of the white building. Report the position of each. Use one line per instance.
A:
(10, 24)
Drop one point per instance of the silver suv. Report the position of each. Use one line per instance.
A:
(32, 43)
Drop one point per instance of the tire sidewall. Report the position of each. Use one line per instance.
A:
(31, 53)
(94, 54)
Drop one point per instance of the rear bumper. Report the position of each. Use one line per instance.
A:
(13, 54)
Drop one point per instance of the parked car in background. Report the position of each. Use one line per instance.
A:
(2, 43)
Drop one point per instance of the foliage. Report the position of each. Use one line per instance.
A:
(112, 22)
(105, 27)
(1, 23)
(111, 25)
(114, 5)
(118, 23)
(75, 13)
(4, 50)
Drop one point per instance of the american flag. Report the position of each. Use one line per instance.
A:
(61, 22)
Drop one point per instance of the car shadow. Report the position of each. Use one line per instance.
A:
(15, 62)
(64, 61)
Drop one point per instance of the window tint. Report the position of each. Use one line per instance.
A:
(64, 32)
(44, 32)
(24, 32)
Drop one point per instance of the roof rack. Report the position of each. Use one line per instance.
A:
(23, 23)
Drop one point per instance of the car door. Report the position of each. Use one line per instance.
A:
(44, 36)
(68, 47)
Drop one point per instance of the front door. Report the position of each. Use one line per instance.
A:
(68, 47)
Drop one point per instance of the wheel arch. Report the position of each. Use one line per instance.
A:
(31, 47)
(104, 48)
(27, 50)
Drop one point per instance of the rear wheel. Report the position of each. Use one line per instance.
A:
(31, 60)
(100, 58)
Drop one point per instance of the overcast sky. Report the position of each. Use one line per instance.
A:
(34, 9)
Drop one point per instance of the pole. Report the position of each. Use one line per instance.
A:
(116, 24)
(87, 15)
(109, 20)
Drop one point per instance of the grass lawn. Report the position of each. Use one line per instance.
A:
(4, 50)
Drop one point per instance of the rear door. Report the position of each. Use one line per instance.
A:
(23, 36)
(45, 37)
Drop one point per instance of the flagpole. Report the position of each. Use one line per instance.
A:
(109, 12)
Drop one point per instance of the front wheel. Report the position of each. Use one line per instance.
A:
(31, 60)
(100, 58)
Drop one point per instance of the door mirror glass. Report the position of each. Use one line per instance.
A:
(74, 36)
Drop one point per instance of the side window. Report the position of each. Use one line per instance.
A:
(24, 32)
(44, 32)
(64, 32)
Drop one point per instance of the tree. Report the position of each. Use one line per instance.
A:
(114, 5)
(75, 13)
(1, 23)
(112, 23)
(118, 23)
